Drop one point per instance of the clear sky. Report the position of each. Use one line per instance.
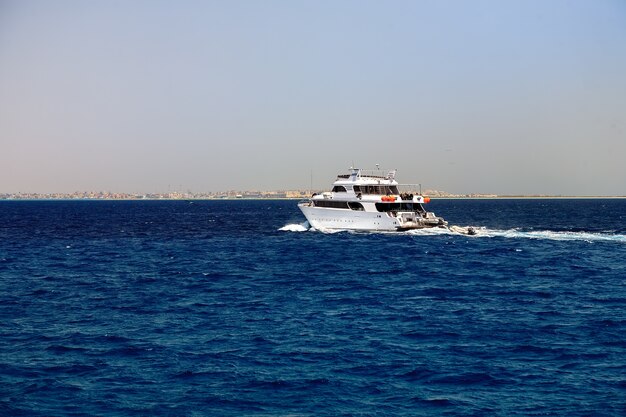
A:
(463, 96)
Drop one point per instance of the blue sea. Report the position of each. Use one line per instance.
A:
(234, 308)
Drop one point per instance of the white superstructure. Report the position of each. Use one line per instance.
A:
(369, 200)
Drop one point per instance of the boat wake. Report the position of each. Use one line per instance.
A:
(295, 227)
(556, 235)
(481, 232)
(521, 234)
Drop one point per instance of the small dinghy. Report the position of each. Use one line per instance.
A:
(470, 231)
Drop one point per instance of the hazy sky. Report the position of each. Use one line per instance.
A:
(463, 96)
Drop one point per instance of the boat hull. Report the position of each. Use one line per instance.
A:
(328, 218)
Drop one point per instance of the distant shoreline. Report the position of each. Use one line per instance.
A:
(533, 197)
(301, 198)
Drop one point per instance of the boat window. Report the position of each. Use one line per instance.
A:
(356, 206)
(376, 189)
(384, 207)
(339, 189)
(331, 204)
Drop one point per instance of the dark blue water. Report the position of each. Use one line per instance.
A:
(208, 309)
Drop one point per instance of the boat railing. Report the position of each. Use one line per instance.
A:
(369, 173)
(415, 189)
(375, 173)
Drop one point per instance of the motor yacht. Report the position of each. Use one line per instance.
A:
(369, 200)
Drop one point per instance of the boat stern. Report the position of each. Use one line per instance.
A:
(411, 220)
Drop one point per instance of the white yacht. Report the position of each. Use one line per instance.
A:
(369, 200)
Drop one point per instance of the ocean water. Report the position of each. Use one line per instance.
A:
(235, 308)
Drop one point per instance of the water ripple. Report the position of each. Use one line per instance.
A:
(215, 308)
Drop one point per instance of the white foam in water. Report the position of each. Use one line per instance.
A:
(432, 231)
(552, 235)
(303, 227)
(485, 232)
(517, 234)
(535, 234)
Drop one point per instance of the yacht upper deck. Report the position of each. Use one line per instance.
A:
(364, 176)
(360, 183)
